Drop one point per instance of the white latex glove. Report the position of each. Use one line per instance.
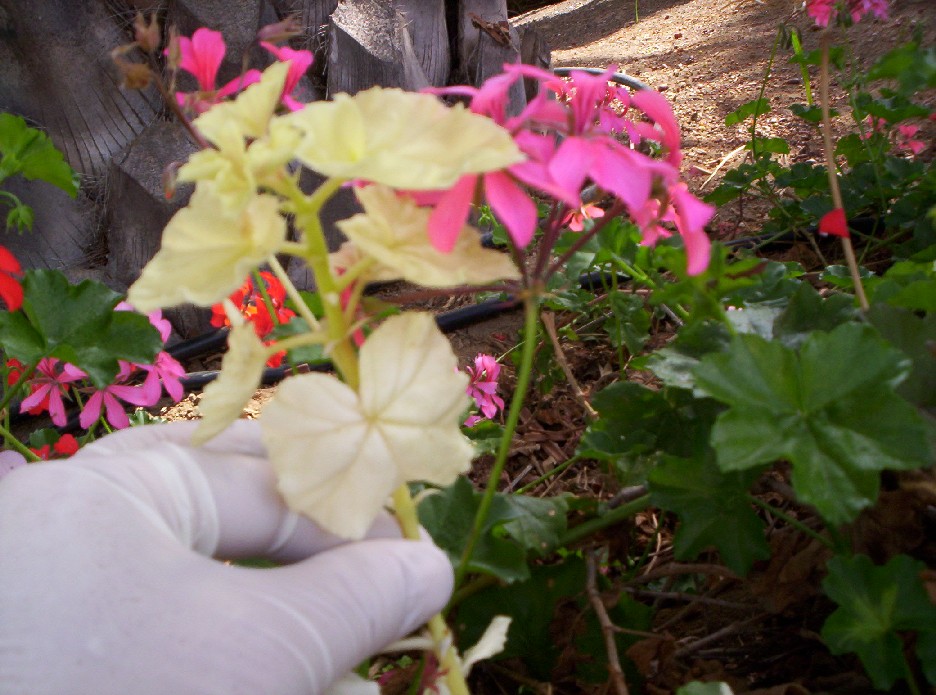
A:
(107, 583)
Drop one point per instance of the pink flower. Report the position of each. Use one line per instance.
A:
(165, 370)
(575, 220)
(50, 383)
(299, 62)
(155, 318)
(824, 11)
(107, 399)
(201, 57)
(483, 387)
(905, 139)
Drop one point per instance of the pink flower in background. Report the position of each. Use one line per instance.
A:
(201, 57)
(576, 219)
(824, 11)
(905, 139)
(50, 383)
(299, 62)
(483, 388)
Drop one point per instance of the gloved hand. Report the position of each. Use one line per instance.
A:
(107, 582)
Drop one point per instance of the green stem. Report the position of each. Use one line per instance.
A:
(804, 70)
(301, 307)
(795, 523)
(405, 510)
(614, 516)
(25, 376)
(763, 89)
(530, 329)
(546, 476)
(15, 443)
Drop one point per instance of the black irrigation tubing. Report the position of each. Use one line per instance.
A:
(617, 77)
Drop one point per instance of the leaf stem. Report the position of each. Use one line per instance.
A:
(13, 442)
(795, 523)
(614, 516)
(530, 329)
(405, 510)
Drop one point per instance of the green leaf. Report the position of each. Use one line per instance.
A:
(915, 336)
(875, 602)
(839, 425)
(307, 354)
(772, 145)
(535, 523)
(713, 509)
(629, 325)
(30, 152)
(810, 114)
(486, 436)
(807, 311)
(532, 605)
(77, 324)
(20, 218)
(755, 107)
(449, 515)
(913, 67)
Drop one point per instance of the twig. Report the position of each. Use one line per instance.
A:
(627, 494)
(607, 627)
(549, 323)
(688, 568)
(717, 635)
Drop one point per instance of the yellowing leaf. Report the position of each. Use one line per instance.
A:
(339, 454)
(401, 139)
(241, 369)
(207, 251)
(392, 230)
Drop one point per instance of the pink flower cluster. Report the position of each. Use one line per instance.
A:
(53, 381)
(483, 388)
(825, 11)
(905, 134)
(575, 131)
(202, 55)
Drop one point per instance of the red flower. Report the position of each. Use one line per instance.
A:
(10, 289)
(834, 223)
(63, 448)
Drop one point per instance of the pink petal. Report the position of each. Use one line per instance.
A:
(202, 56)
(624, 173)
(238, 83)
(570, 165)
(35, 398)
(660, 111)
(451, 212)
(691, 217)
(512, 206)
(116, 415)
(92, 410)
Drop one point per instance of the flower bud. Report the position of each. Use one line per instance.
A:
(281, 31)
(146, 34)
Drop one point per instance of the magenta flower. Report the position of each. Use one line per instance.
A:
(569, 141)
(50, 383)
(299, 62)
(576, 219)
(167, 371)
(109, 399)
(201, 57)
(824, 11)
(483, 387)
(155, 318)
(905, 139)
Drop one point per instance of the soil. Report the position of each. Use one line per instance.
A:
(761, 635)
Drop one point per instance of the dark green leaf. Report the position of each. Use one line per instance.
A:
(535, 523)
(875, 602)
(532, 605)
(914, 67)
(486, 436)
(714, 511)
(449, 515)
(77, 324)
(915, 337)
(20, 218)
(629, 325)
(838, 425)
(807, 311)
